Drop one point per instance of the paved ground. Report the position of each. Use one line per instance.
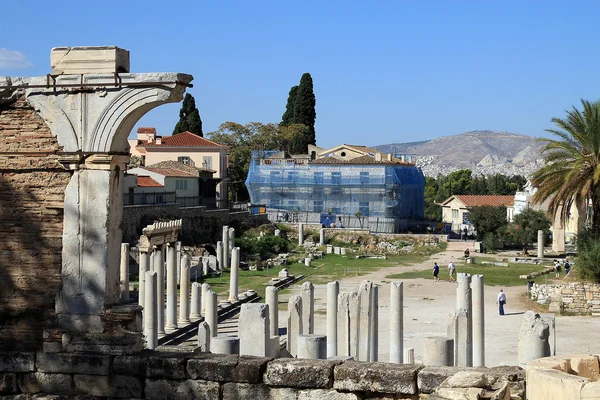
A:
(428, 304)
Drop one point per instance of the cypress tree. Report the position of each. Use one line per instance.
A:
(189, 117)
(288, 115)
(304, 109)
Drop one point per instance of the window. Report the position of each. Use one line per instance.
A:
(292, 176)
(181, 184)
(336, 210)
(318, 177)
(364, 177)
(454, 215)
(207, 162)
(363, 208)
(336, 178)
(317, 206)
(292, 203)
(184, 160)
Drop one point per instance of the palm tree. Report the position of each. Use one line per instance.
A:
(572, 170)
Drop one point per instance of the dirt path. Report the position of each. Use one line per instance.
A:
(428, 304)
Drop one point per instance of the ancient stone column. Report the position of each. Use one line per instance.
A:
(160, 289)
(171, 288)
(348, 326)
(438, 351)
(463, 343)
(540, 244)
(409, 355)
(272, 299)
(144, 267)
(307, 292)
(225, 241)
(478, 321)
(533, 338)
(225, 345)
(396, 322)
(294, 326)
(365, 321)
(300, 234)
(196, 304)
(254, 328)
(231, 239)
(322, 236)
(313, 347)
(219, 251)
(184, 290)
(204, 291)
(204, 337)
(333, 290)
(124, 270)
(178, 258)
(150, 320)
(374, 325)
(210, 314)
(233, 276)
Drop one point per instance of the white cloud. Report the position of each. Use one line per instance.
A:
(13, 59)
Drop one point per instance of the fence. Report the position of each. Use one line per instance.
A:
(155, 198)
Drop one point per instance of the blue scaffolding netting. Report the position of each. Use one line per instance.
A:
(375, 190)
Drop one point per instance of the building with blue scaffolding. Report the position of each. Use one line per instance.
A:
(346, 186)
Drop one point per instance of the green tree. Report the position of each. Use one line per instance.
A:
(588, 254)
(526, 225)
(304, 113)
(433, 212)
(288, 116)
(571, 174)
(487, 219)
(189, 117)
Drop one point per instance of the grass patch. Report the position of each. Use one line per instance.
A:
(493, 275)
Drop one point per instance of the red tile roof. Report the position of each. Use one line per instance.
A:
(183, 139)
(143, 129)
(494, 201)
(171, 172)
(366, 159)
(146, 181)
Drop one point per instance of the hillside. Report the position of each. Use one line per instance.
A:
(484, 152)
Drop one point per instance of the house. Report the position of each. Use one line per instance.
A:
(170, 182)
(355, 185)
(455, 209)
(186, 148)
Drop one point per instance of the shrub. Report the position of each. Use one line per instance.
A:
(488, 243)
(588, 255)
(265, 246)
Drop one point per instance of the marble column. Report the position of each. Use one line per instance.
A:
(438, 351)
(124, 271)
(196, 303)
(322, 236)
(396, 322)
(150, 314)
(307, 291)
(159, 268)
(294, 326)
(204, 291)
(171, 287)
(333, 290)
(540, 244)
(272, 299)
(313, 347)
(477, 287)
(365, 320)
(184, 291)
(233, 276)
(143, 268)
(463, 342)
(219, 251)
(300, 234)
(225, 241)
(533, 338)
(178, 258)
(409, 355)
(374, 343)
(231, 239)
(211, 313)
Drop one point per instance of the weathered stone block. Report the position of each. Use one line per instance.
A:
(251, 369)
(212, 367)
(17, 362)
(376, 377)
(161, 389)
(244, 391)
(467, 379)
(104, 386)
(8, 382)
(39, 382)
(70, 363)
(170, 366)
(460, 393)
(591, 391)
(130, 365)
(586, 366)
(430, 378)
(322, 394)
(545, 384)
(300, 373)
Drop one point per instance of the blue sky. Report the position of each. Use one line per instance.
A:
(383, 71)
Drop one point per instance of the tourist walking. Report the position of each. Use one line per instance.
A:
(467, 255)
(567, 267)
(436, 271)
(557, 269)
(451, 270)
(501, 301)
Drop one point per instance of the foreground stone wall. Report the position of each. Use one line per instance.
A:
(156, 375)
(581, 298)
(570, 377)
(32, 186)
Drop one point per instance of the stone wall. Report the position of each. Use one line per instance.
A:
(160, 375)
(582, 298)
(32, 186)
(568, 377)
(199, 224)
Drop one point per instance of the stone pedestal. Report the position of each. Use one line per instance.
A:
(348, 327)
(409, 355)
(171, 288)
(272, 300)
(143, 268)
(477, 287)
(336, 250)
(333, 290)
(184, 291)
(533, 338)
(342, 251)
(196, 303)
(540, 244)
(233, 277)
(225, 345)
(438, 351)
(150, 321)
(374, 343)
(210, 314)
(204, 337)
(307, 261)
(255, 337)
(313, 347)
(365, 321)
(329, 249)
(307, 291)
(294, 325)
(322, 236)
(124, 271)
(225, 241)
(396, 322)
(300, 234)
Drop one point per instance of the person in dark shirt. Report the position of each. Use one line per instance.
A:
(436, 271)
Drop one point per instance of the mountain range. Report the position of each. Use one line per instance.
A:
(484, 152)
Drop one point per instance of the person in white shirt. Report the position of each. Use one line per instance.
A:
(501, 301)
(451, 269)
